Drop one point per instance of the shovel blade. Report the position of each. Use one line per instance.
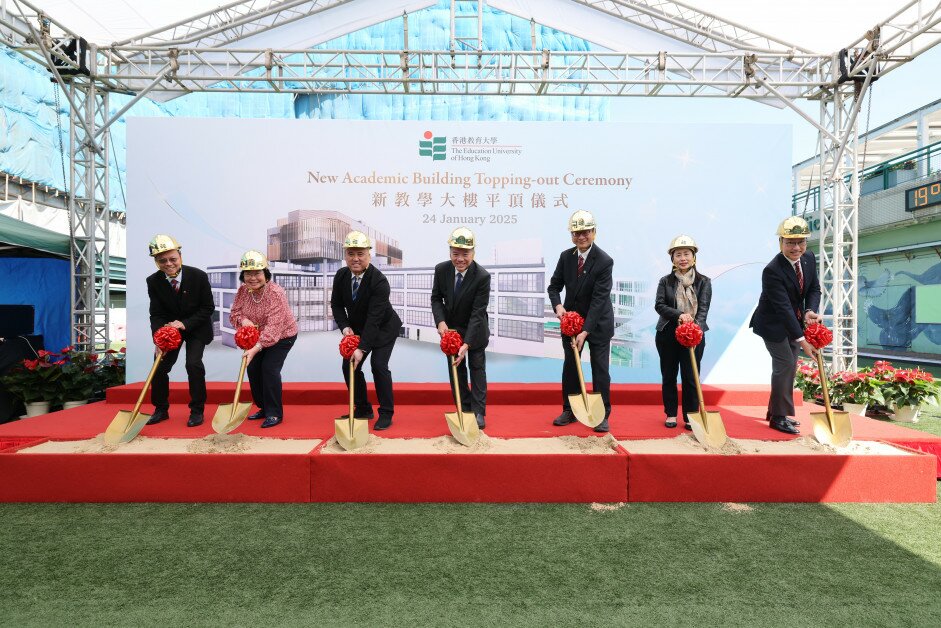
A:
(710, 433)
(351, 439)
(125, 427)
(842, 433)
(467, 436)
(592, 414)
(229, 416)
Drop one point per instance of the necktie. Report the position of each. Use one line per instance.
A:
(175, 285)
(581, 265)
(457, 283)
(800, 276)
(355, 287)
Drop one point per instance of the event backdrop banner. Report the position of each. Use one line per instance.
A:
(293, 189)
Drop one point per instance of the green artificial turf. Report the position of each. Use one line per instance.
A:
(541, 565)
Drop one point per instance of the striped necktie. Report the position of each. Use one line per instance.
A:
(355, 287)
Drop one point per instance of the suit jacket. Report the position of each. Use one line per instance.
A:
(665, 303)
(192, 305)
(468, 312)
(371, 316)
(590, 294)
(782, 305)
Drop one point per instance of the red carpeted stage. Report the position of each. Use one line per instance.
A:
(514, 411)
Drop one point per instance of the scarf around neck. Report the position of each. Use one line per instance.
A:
(686, 300)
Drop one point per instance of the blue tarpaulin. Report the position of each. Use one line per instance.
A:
(44, 284)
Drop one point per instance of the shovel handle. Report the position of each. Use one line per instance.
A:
(822, 375)
(581, 376)
(238, 386)
(457, 392)
(143, 392)
(352, 385)
(702, 402)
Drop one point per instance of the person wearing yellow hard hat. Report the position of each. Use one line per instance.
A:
(585, 273)
(460, 295)
(264, 304)
(360, 305)
(180, 297)
(683, 296)
(790, 299)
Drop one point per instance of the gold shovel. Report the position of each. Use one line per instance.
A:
(464, 434)
(831, 427)
(127, 425)
(708, 427)
(587, 408)
(351, 434)
(229, 416)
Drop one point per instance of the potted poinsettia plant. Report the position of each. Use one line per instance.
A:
(35, 382)
(856, 390)
(111, 371)
(78, 380)
(808, 380)
(909, 390)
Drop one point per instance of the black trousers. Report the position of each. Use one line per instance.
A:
(600, 377)
(195, 374)
(472, 399)
(264, 376)
(675, 357)
(382, 378)
(784, 355)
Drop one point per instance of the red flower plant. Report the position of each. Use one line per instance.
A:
(572, 323)
(689, 334)
(167, 339)
(818, 335)
(451, 342)
(247, 337)
(348, 345)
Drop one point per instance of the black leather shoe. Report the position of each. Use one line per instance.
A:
(793, 422)
(196, 419)
(670, 422)
(565, 418)
(481, 423)
(603, 426)
(781, 424)
(258, 415)
(363, 413)
(384, 423)
(687, 426)
(272, 421)
(158, 416)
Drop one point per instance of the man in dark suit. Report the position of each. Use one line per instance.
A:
(790, 298)
(459, 299)
(584, 271)
(360, 304)
(180, 297)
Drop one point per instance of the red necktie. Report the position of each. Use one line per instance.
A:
(175, 285)
(581, 265)
(800, 276)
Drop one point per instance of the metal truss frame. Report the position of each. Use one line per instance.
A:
(201, 54)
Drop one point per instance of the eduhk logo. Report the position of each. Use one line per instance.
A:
(432, 146)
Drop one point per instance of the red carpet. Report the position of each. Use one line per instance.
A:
(419, 414)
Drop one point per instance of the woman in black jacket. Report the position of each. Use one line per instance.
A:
(682, 296)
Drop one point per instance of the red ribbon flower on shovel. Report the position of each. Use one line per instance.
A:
(247, 337)
(689, 334)
(818, 336)
(571, 324)
(348, 345)
(451, 342)
(167, 339)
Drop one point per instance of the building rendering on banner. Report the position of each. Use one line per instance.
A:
(305, 251)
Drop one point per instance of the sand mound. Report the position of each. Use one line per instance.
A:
(212, 444)
(593, 445)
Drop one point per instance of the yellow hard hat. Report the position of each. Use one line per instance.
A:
(253, 260)
(581, 221)
(163, 243)
(683, 242)
(793, 228)
(462, 238)
(357, 240)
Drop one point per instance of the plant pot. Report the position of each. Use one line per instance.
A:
(856, 408)
(68, 405)
(36, 408)
(907, 414)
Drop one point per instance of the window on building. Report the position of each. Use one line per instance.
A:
(397, 298)
(521, 330)
(521, 282)
(420, 317)
(419, 299)
(421, 281)
(522, 306)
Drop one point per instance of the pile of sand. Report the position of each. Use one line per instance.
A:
(212, 444)
(596, 507)
(736, 508)
(486, 445)
(803, 446)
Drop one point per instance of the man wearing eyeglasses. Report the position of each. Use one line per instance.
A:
(790, 298)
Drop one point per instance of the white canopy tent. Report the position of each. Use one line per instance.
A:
(657, 48)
